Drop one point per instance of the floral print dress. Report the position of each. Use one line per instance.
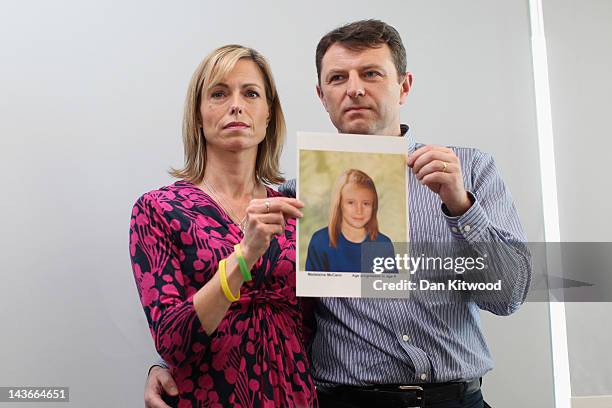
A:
(256, 357)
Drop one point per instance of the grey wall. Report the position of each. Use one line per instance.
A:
(92, 95)
(579, 40)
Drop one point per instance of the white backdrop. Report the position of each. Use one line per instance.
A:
(91, 104)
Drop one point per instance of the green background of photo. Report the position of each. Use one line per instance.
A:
(319, 171)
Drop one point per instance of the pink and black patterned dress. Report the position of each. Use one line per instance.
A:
(256, 357)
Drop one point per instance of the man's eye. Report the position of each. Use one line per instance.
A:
(372, 74)
(336, 78)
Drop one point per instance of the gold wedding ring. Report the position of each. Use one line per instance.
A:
(267, 203)
(445, 167)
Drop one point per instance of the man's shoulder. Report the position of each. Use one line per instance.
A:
(287, 188)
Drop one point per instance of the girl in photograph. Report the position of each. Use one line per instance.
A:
(352, 222)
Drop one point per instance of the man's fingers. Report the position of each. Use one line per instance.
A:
(418, 153)
(168, 383)
(412, 158)
(431, 156)
(155, 401)
(435, 179)
(159, 382)
(435, 166)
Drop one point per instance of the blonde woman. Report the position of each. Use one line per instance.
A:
(213, 254)
(352, 222)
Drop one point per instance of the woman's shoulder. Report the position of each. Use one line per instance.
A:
(179, 191)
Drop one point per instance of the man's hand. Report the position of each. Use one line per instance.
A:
(439, 169)
(159, 382)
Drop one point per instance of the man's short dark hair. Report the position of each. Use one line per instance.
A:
(364, 34)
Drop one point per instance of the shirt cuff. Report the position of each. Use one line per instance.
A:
(160, 363)
(471, 225)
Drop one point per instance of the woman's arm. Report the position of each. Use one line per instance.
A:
(173, 322)
(175, 319)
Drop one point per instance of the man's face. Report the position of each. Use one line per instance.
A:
(360, 90)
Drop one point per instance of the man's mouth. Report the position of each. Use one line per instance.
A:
(356, 109)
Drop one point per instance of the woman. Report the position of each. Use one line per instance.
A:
(352, 222)
(213, 254)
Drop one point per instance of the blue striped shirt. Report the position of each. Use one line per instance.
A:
(374, 341)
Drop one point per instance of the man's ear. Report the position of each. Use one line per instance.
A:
(405, 85)
(321, 96)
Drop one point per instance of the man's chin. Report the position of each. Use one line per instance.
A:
(358, 128)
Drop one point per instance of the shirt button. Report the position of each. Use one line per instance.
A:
(423, 376)
(467, 228)
(405, 337)
(454, 229)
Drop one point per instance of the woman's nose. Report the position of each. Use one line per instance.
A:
(236, 105)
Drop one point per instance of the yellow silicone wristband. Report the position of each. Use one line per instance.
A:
(224, 286)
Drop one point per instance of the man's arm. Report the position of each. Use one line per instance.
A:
(483, 220)
(492, 229)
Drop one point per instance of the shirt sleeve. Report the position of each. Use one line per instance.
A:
(160, 363)
(173, 322)
(492, 230)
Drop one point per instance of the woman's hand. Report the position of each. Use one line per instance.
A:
(266, 217)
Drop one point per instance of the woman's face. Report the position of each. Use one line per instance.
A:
(235, 111)
(357, 203)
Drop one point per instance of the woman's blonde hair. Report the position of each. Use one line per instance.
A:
(361, 179)
(211, 70)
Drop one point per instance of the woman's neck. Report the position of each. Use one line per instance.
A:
(232, 174)
(352, 234)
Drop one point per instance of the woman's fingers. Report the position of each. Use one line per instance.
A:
(288, 206)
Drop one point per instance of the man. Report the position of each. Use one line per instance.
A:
(396, 352)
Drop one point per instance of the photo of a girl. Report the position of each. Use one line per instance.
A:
(352, 222)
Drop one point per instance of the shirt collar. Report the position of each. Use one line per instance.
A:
(405, 131)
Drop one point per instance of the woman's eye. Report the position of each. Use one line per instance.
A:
(252, 94)
(217, 94)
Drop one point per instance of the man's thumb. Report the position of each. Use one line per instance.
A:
(169, 385)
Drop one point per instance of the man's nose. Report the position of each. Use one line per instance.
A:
(355, 87)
